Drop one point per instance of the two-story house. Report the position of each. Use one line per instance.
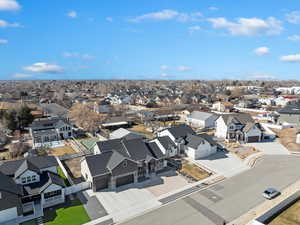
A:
(28, 186)
(48, 132)
(238, 127)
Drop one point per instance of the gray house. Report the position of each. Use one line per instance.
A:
(290, 114)
(119, 162)
(200, 119)
(27, 186)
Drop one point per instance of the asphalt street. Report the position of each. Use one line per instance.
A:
(226, 200)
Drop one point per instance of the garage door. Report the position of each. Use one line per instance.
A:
(253, 139)
(125, 180)
(100, 184)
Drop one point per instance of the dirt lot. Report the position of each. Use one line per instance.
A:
(288, 138)
(143, 130)
(73, 168)
(193, 171)
(241, 151)
(291, 216)
(64, 150)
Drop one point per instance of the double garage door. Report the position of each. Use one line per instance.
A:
(253, 139)
(124, 180)
(100, 184)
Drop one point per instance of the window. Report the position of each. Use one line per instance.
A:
(125, 164)
(28, 179)
(34, 178)
(52, 194)
(23, 180)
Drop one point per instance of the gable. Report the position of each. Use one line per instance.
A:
(124, 167)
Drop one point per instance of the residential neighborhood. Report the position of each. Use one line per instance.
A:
(149, 112)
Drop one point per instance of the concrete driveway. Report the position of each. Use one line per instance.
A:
(223, 163)
(126, 202)
(229, 199)
(270, 148)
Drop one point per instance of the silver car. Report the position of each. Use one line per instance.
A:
(271, 193)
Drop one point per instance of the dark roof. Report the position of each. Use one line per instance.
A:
(293, 108)
(33, 163)
(155, 150)
(104, 163)
(26, 165)
(194, 141)
(137, 149)
(113, 144)
(181, 131)
(55, 109)
(166, 142)
(10, 192)
(46, 179)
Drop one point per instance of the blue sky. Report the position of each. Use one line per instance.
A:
(149, 39)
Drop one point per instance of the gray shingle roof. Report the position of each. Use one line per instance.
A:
(181, 131)
(36, 162)
(293, 108)
(155, 150)
(201, 115)
(166, 142)
(243, 118)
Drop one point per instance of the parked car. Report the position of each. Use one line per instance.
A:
(270, 193)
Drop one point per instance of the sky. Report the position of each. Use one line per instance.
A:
(149, 39)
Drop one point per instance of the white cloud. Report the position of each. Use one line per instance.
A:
(164, 67)
(77, 55)
(163, 74)
(262, 51)
(9, 5)
(184, 68)
(248, 26)
(294, 37)
(43, 67)
(168, 14)
(290, 58)
(5, 24)
(262, 76)
(293, 17)
(212, 8)
(192, 29)
(109, 19)
(21, 75)
(72, 14)
(3, 41)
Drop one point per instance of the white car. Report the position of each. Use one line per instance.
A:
(270, 193)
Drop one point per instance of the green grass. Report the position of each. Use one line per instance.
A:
(70, 213)
(62, 175)
(30, 222)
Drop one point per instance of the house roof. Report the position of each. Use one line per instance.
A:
(127, 134)
(55, 109)
(10, 192)
(155, 150)
(166, 142)
(46, 179)
(12, 168)
(137, 149)
(243, 118)
(293, 108)
(180, 131)
(201, 115)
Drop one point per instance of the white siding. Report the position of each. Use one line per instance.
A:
(8, 214)
(203, 150)
(85, 171)
(221, 128)
(26, 174)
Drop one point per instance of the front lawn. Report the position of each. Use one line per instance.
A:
(70, 213)
(62, 175)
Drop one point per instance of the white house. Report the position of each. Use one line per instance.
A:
(222, 106)
(28, 186)
(200, 146)
(238, 127)
(199, 119)
(166, 146)
(176, 133)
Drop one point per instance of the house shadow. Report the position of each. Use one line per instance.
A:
(50, 213)
(217, 155)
